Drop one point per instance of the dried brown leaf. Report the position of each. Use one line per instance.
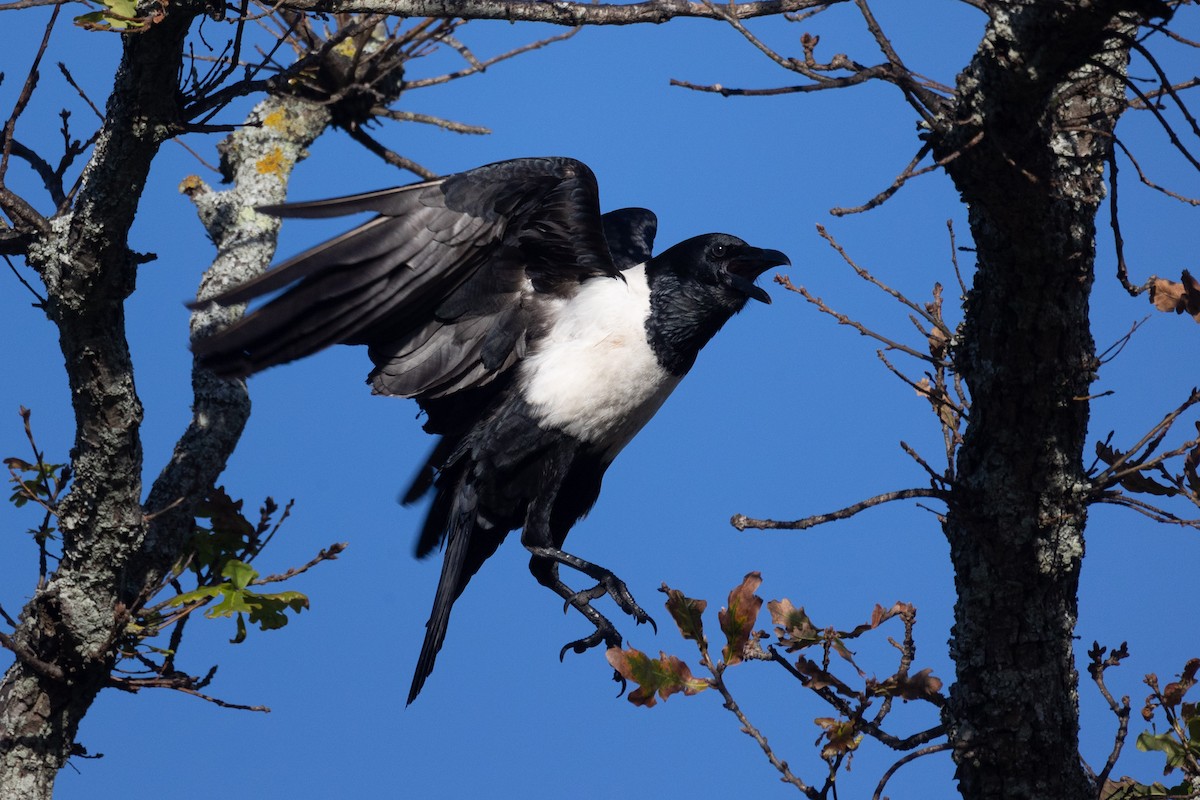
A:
(687, 613)
(1172, 694)
(663, 677)
(737, 619)
(792, 625)
(937, 343)
(922, 686)
(1190, 463)
(839, 734)
(1182, 297)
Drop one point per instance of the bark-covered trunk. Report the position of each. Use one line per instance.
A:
(1040, 101)
(115, 551)
(64, 643)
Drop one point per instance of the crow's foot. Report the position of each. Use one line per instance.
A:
(604, 634)
(545, 567)
(612, 586)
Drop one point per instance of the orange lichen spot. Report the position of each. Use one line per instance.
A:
(272, 163)
(276, 119)
(191, 185)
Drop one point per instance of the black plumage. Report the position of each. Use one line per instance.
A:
(536, 334)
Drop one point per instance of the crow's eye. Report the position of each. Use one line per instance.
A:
(719, 250)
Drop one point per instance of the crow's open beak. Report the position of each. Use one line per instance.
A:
(749, 264)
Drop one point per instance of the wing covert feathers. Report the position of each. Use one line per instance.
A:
(442, 285)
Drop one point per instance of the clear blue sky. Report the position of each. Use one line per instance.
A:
(785, 415)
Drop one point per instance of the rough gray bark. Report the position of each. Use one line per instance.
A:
(1045, 91)
(115, 553)
(72, 622)
(559, 13)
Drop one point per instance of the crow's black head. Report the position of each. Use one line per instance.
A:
(723, 265)
(696, 286)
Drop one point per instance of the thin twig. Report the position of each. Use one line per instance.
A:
(1114, 349)
(41, 301)
(869, 278)
(1145, 179)
(962, 285)
(328, 554)
(905, 176)
(754, 733)
(1113, 472)
(915, 456)
(45, 669)
(1097, 669)
(1147, 509)
(842, 319)
(79, 90)
(177, 684)
(18, 4)
(26, 93)
(741, 521)
(450, 125)
(1166, 86)
(390, 156)
(421, 83)
(913, 756)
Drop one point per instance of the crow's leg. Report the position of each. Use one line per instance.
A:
(542, 541)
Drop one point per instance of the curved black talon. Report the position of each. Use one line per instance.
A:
(580, 646)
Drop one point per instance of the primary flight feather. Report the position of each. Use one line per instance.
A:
(537, 335)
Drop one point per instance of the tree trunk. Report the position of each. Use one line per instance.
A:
(65, 640)
(1039, 102)
(114, 553)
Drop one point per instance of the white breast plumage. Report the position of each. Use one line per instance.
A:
(594, 375)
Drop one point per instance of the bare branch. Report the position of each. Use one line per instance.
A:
(1166, 86)
(1158, 115)
(913, 756)
(1096, 669)
(1114, 222)
(1191, 201)
(179, 682)
(480, 66)
(741, 521)
(754, 733)
(18, 4)
(869, 278)
(26, 94)
(328, 554)
(908, 173)
(390, 156)
(726, 91)
(1155, 513)
(1114, 349)
(558, 13)
(925, 102)
(962, 285)
(20, 211)
(43, 668)
(1113, 473)
(426, 119)
(79, 90)
(842, 319)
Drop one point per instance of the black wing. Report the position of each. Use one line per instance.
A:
(439, 284)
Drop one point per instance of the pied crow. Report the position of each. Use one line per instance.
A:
(537, 335)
